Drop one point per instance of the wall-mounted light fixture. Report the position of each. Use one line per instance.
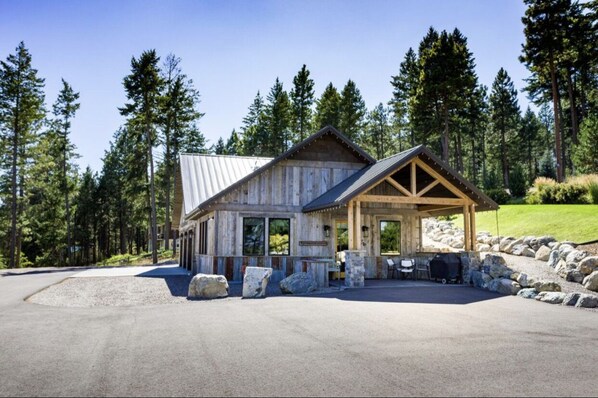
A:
(365, 231)
(327, 231)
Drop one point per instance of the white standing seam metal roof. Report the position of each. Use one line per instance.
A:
(203, 176)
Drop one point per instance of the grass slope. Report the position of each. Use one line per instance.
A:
(577, 223)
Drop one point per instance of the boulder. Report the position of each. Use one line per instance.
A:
(298, 283)
(575, 256)
(495, 248)
(543, 253)
(495, 240)
(574, 275)
(493, 285)
(590, 282)
(483, 247)
(588, 265)
(511, 246)
(551, 297)
(480, 280)
(547, 286)
(496, 266)
(554, 245)
(255, 282)
(517, 250)
(587, 301)
(565, 249)
(514, 276)
(527, 252)
(523, 280)
(204, 286)
(504, 243)
(529, 293)
(571, 299)
(553, 258)
(507, 286)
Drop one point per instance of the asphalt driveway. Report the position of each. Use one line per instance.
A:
(419, 341)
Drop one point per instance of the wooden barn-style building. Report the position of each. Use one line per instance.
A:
(322, 197)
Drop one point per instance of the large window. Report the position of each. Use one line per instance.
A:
(253, 236)
(390, 238)
(279, 236)
(203, 237)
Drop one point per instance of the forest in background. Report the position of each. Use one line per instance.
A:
(53, 214)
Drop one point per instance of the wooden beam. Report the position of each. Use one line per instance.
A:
(413, 182)
(474, 237)
(466, 226)
(433, 208)
(398, 186)
(426, 189)
(357, 225)
(351, 225)
(411, 200)
(443, 180)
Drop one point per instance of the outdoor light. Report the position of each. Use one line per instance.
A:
(327, 231)
(365, 230)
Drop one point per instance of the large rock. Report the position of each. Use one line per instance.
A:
(483, 247)
(588, 265)
(496, 266)
(543, 253)
(590, 282)
(565, 249)
(504, 243)
(523, 280)
(480, 280)
(204, 286)
(527, 252)
(551, 297)
(255, 282)
(298, 283)
(529, 293)
(547, 286)
(507, 286)
(571, 298)
(587, 301)
(553, 258)
(574, 275)
(511, 246)
(575, 256)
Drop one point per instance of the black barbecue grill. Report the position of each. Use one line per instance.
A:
(446, 267)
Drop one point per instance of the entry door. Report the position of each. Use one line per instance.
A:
(341, 242)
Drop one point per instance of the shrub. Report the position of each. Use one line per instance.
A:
(499, 195)
(517, 182)
(593, 190)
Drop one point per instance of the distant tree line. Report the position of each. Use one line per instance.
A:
(51, 213)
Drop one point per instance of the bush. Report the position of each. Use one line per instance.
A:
(563, 193)
(499, 195)
(517, 182)
(593, 189)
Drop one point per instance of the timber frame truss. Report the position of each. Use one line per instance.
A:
(422, 186)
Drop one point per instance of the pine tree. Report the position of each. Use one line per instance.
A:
(328, 108)
(527, 140)
(586, 152)
(404, 90)
(378, 139)
(85, 220)
(278, 119)
(143, 87)
(254, 129)
(219, 148)
(233, 144)
(504, 114)
(302, 98)
(352, 112)
(64, 111)
(21, 114)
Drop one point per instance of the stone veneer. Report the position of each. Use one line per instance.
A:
(354, 268)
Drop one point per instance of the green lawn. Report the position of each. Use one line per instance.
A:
(578, 223)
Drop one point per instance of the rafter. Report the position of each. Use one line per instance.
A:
(398, 186)
(426, 189)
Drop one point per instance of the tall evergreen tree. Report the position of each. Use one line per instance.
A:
(219, 148)
(528, 141)
(404, 90)
(586, 153)
(64, 111)
(328, 108)
(378, 137)
(85, 220)
(278, 117)
(21, 114)
(504, 114)
(254, 129)
(352, 111)
(143, 87)
(233, 144)
(302, 98)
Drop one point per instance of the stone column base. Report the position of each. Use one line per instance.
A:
(354, 268)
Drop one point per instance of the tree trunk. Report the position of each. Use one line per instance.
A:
(445, 137)
(174, 238)
(560, 175)
(167, 199)
(153, 227)
(503, 159)
(66, 202)
(573, 108)
(13, 205)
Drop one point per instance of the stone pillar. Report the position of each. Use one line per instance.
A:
(354, 268)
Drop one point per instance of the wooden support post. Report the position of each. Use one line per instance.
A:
(357, 225)
(474, 237)
(466, 225)
(413, 182)
(351, 225)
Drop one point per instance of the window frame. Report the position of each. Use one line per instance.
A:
(263, 246)
(384, 220)
(270, 219)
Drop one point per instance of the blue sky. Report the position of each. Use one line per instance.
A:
(232, 49)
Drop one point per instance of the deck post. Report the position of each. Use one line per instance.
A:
(357, 226)
(466, 228)
(474, 237)
(351, 225)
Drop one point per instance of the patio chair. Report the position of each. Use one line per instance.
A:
(407, 267)
(422, 266)
(391, 269)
